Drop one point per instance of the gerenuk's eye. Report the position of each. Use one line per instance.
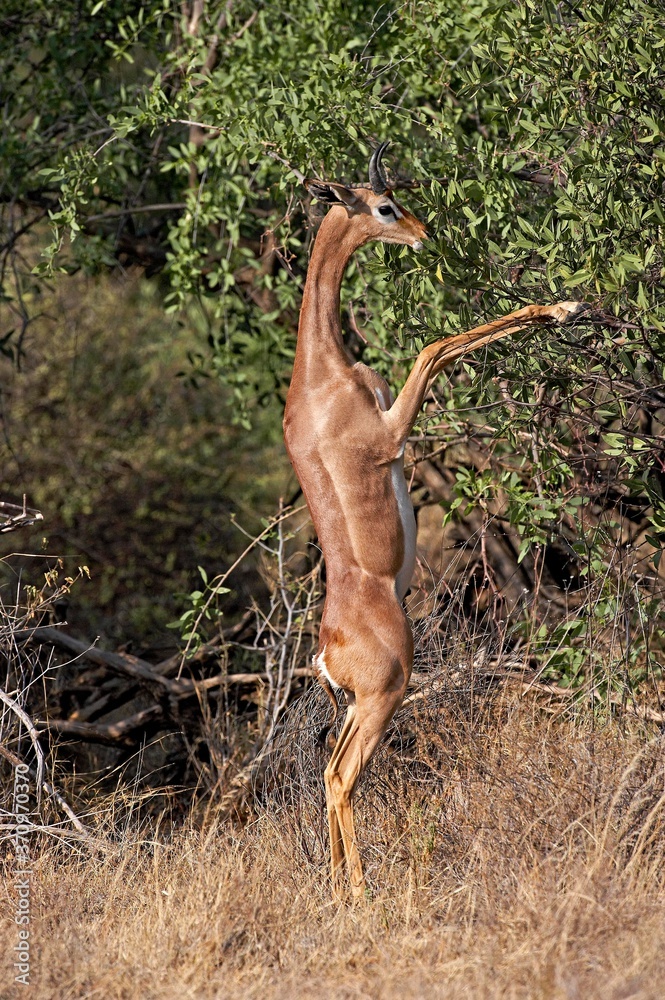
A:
(385, 210)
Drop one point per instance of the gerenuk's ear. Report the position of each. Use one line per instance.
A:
(332, 194)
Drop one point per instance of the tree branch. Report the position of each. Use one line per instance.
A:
(174, 206)
(111, 734)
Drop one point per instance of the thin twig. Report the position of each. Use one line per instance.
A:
(34, 737)
(50, 790)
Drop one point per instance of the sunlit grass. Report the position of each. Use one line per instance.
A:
(525, 860)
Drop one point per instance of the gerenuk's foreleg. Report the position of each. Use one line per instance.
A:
(435, 357)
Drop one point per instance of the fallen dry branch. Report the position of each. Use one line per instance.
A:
(122, 733)
(128, 732)
(142, 671)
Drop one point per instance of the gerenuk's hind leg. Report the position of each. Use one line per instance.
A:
(336, 841)
(365, 724)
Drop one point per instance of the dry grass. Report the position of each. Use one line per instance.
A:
(512, 856)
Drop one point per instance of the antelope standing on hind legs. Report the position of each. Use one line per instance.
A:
(345, 437)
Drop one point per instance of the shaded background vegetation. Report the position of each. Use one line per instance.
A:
(137, 467)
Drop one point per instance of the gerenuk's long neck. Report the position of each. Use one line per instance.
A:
(320, 329)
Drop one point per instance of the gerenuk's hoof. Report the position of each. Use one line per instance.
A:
(563, 312)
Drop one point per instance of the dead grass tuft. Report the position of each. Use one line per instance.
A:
(511, 855)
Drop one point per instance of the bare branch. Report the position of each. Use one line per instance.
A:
(34, 737)
(12, 516)
(113, 733)
(175, 206)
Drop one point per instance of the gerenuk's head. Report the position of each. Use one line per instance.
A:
(373, 209)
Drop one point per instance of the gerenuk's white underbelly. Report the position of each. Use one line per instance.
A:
(405, 507)
(408, 519)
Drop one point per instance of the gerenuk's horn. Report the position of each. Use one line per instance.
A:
(377, 177)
